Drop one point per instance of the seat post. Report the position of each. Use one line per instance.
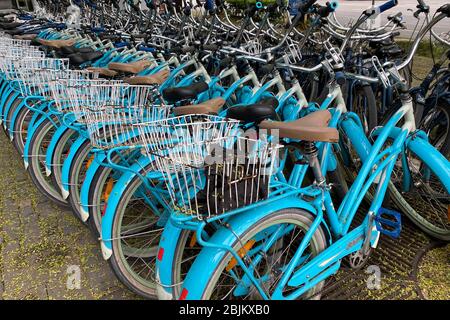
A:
(310, 152)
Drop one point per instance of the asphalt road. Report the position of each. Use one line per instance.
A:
(350, 10)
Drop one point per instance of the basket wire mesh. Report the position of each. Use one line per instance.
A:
(186, 129)
(38, 81)
(110, 111)
(10, 58)
(209, 178)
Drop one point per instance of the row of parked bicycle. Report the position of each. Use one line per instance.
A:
(229, 160)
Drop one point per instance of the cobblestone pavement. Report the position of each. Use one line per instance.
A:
(42, 246)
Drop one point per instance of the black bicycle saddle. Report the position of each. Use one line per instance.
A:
(173, 95)
(256, 112)
(80, 58)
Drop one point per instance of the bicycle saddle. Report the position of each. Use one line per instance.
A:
(103, 71)
(132, 67)
(10, 25)
(71, 49)
(173, 95)
(211, 106)
(156, 78)
(56, 43)
(15, 32)
(313, 127)
(80, 58)
(257, 112)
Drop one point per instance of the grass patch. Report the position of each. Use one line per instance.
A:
(424, 49)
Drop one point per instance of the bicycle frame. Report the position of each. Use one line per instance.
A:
(377, 168)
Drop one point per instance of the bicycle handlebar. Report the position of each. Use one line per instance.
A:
(387, 5)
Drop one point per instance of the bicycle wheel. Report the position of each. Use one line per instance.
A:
(62, 149)
(10, 114)
(427, 203)
(21, 129)
(36, 155)
(8, 100)
(437, 125)
(99, 191)
(225, 276)
(136, 232)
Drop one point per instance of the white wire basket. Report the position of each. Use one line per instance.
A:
(9, 59)
(15, 42)
(46, 63)
(38, 82)
(111, 111)
(19, 51)
(186, 129)
(61, 89)
(210, 178)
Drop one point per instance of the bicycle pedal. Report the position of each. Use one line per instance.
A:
(388, 222)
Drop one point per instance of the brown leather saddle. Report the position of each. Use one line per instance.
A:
(132, 67)
(156, 78)
(103, 71)
(211, 106)
(313, 127)
(57, 43)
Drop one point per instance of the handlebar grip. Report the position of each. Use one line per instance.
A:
(387, 5)
(445, 9)
(146, 49)
(324, 11)
(340, 78)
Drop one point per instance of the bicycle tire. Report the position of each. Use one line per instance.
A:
(47, 188)
(117, 261)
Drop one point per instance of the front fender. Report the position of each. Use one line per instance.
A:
(164, 261)
(14, 117)
(51, 148)
(84, 191)
(9, 105)
(113, 201)
(65, 172)
(30, 133)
